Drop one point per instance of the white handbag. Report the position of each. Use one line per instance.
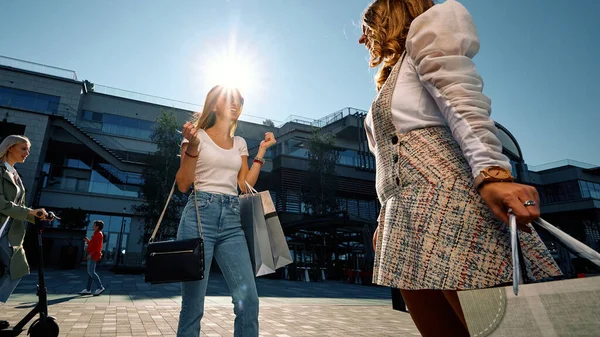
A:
(558, 308)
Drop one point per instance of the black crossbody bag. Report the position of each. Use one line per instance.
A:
(175, 261)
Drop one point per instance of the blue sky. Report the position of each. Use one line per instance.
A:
(538, 59)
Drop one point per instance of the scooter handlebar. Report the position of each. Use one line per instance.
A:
(49, 217)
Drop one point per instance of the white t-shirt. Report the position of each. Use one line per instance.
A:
(217, 168)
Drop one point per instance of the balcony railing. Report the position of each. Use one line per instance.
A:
(329, 119)
(37, 67)
(136, 96)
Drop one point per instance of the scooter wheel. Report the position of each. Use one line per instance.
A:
(39, 329)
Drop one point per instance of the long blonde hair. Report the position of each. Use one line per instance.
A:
(9, 142)
(207, 118)
(386, 24)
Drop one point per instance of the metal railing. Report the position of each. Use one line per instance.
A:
(327, 120)
(70, 113)
(102, 89)
(110, 142)
(37, 67)
(259, 120)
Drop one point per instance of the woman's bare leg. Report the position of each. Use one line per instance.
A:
(452, 297)
(433, 314)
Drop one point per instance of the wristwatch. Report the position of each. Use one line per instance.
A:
(493, 174)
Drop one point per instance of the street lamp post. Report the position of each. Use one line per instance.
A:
(120, 241)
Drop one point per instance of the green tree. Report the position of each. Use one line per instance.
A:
(158, 176)
(319, 192)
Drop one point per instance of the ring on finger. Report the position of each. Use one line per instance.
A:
(529, 203)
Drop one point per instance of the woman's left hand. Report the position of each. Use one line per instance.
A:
(502, 196)
(269, 140)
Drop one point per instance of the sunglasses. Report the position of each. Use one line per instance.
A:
(231, 96)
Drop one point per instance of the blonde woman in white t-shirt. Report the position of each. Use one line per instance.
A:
(216, 162)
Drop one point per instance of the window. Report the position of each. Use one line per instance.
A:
(7, 129)
(76, 163)
(120, 125)
(68, 168)
(560, 192)
(296, 148)
(589, 189)
(348, 157)
(293, 202)
(28, 100)
(91, 116)
(365, 209)
(515, 169)
(305, 208)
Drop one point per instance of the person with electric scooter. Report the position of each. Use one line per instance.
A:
(13, 214)
(44, 326)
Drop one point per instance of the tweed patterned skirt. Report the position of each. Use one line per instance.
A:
(436, 232)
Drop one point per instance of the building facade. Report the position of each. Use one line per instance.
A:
(570, 199)
(89, 143)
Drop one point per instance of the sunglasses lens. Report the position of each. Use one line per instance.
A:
(240, 99)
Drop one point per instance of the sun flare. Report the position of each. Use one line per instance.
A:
(232, 67)
(231, 71)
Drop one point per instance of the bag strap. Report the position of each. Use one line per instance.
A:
(517, 255)
(197, 212)
(165, 210)
(577, 247)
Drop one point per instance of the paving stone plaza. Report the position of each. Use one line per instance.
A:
(130, 307)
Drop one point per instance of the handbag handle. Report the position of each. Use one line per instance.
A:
(165, 210)
(573, 244)
(515, 252)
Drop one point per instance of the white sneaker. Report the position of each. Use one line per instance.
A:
(85, 292)
(99, 291)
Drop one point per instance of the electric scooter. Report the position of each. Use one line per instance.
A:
(44, 326)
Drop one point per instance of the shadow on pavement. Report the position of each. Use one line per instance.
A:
(69, 282)
(50, 302)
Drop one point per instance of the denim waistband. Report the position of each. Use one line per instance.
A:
(216, 197)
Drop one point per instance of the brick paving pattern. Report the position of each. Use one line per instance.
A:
(130, 307)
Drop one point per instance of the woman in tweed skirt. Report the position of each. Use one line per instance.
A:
(443, 182)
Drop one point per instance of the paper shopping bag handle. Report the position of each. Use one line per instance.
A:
(250, 189)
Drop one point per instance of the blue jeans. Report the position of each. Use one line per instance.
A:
(7, 285)
(225, 240)
(93, 277)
